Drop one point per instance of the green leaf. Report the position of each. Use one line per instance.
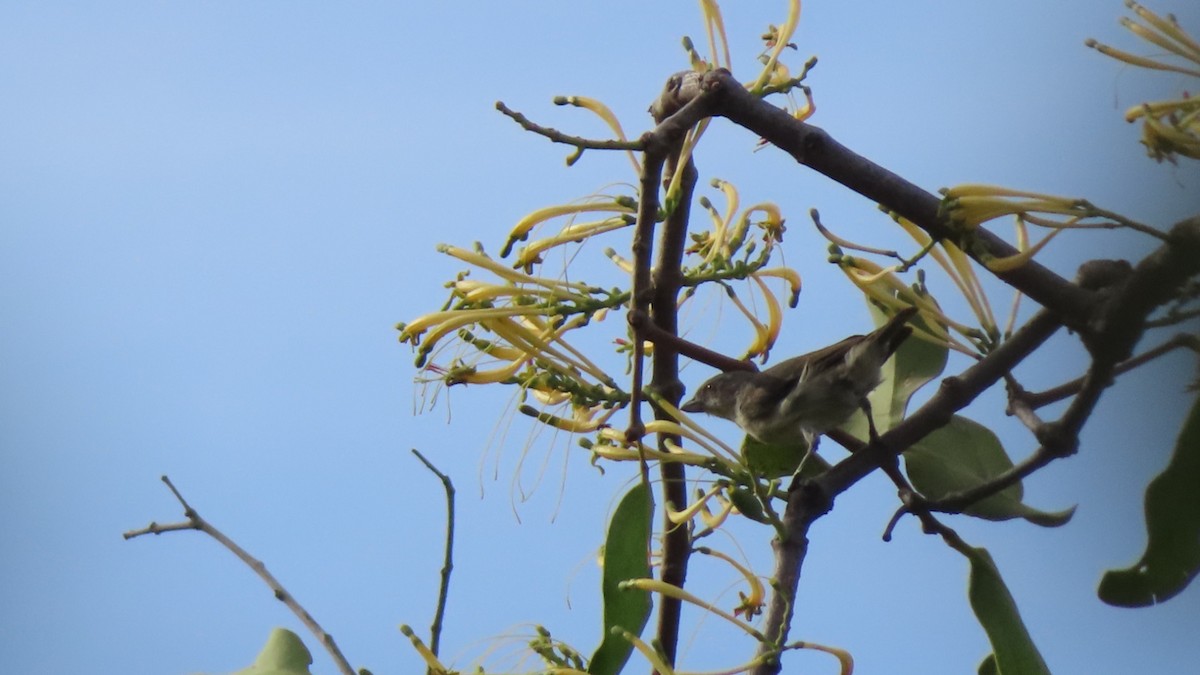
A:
(1172, 555)
(962, 455)
(284, 654)
(988, 665)
(775, 461)
(1013, 651)
(626, 556)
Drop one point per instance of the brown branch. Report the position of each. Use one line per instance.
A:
(805, 505)
(816, 149)
(435, 628)
(1067, 389)
(1153, 282)
(559, 137)
(683, 347)
(1110, 338)
(667, 280)
(195, 522)
(654, 294)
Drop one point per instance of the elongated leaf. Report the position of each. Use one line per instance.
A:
(626, 556)
(1013, 651)
(284, 654)
(1172, 555)
(774, 461)
(964, 454)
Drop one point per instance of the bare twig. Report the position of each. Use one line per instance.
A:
(1067, 389)
(684, 347)
(816, 149)
(435, 629)
(195, 522)
(566, 139)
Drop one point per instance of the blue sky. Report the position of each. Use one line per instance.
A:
(213, 214)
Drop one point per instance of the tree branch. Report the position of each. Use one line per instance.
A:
(435, 628)
(816, 149)
(1039, 399)
(559, 137)
(195, 522)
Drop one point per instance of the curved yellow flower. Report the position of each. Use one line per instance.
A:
(782, 37)
(751, 604)
(520, 231)
(663, 588)
(603, 112)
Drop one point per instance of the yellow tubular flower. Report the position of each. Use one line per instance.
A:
(713, 20)
(782, 38)
(751, 604)
(844, 658)
(584, 363)
(492, 348)
(687, 428)
(731, 206)
(772, 223)
(675, 429)
(689, 143)
(449, 320)
(1170, 140)
(677, 517)
(431, 659)
(1139, 61)
(985, 190)
(1156, 109)
(663, 588)
(808, 109)
(1155, 38)
(603, 112)
(618, 453)
(573, 426)
(521, 230)
(479, 291)
(1014, 261)
(857, 270)
(941, 256)
(791, 276)
(523, 337)
(504, 272)
(647, 651)
(473, 376)
(622, 263)
(971, 287)
(1169, 28)
(760, 331)
(712, 522)
(774, 315)
(531, 254)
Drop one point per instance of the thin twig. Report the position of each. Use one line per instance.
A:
(435, 629)
(567, 139)
(195, 522)
(684, 347)
(1067, 389)
(816, 149)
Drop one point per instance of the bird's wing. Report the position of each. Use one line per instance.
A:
(796, 366)
(764, 398)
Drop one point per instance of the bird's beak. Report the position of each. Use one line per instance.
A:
(692, 406)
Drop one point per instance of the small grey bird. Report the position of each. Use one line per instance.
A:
(807, 395)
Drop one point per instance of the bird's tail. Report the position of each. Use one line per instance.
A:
(893, 333)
